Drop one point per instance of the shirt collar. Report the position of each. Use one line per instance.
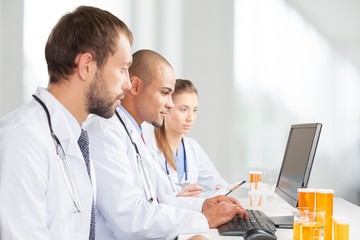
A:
(132, 120)
(73, 123)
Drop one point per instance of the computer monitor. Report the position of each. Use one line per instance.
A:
(297, 162)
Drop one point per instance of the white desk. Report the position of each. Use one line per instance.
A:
(342, 208)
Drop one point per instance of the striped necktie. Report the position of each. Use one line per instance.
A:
(83, 143)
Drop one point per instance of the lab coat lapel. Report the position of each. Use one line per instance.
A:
(172, 178)
(190, 161)
(74, 159)
(135, 135)
(60, 124)
(144, 152)
(67, 138)
(73, 155)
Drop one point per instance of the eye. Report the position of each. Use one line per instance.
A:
(165, 92)
(124, 70)
(183, 109)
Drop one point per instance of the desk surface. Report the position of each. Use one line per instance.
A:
(342, 208)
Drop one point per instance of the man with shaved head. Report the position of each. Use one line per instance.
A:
(131, 201)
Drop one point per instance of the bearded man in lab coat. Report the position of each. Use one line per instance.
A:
(47, 182)
(132, 203)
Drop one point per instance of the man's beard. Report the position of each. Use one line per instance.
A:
(98, 98)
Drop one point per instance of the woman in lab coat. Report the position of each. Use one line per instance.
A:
(185, 164)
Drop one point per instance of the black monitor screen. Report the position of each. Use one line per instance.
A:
(298, 159)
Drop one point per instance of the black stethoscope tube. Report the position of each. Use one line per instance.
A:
(185, 163)
(62, 159)
(138, 158)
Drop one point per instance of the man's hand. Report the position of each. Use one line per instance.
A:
(221, 209)
(216, 200)
(191, 190)
(222, 213)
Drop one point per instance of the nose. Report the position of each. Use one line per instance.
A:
(127, 84)
(190, 116)
(169, 103)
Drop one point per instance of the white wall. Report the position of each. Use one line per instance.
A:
(208, 61)
(11, 55)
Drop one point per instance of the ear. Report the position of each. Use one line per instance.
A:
(136, 84)
(85, 65)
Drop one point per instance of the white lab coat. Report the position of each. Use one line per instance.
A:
(124, 212)
(200, 169)
(34, 199)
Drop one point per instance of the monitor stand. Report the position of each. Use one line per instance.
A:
(283, 221)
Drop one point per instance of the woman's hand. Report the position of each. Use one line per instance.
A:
(191, 190)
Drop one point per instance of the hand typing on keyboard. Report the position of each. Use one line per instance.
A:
(238, 226)
(221, 209)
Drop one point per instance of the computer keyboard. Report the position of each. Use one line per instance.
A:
(238, 226)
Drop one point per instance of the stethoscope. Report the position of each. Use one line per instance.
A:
(185, 168)
(141, 168)
(62, 160)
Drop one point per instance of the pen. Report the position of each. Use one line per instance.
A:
(235, 187)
